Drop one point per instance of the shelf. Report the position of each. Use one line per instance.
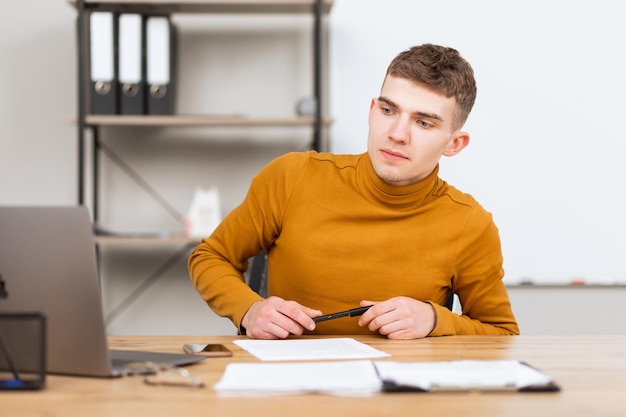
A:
(94, 123)
(216, 121)
(144, 240)
(208, 6)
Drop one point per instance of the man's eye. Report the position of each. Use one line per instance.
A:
(386, 110)
(424, 124)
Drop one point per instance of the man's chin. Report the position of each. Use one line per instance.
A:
(390, 176)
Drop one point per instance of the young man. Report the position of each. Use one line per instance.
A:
(379, 229)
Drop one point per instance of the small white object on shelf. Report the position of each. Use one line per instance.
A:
(204, 214)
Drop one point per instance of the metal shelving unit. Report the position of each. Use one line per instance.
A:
(93, 123)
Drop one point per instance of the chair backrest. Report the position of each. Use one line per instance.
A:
(258, 274)
(449, 303)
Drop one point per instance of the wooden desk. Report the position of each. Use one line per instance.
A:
(591, 371)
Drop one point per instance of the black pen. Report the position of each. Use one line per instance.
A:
(348, 313)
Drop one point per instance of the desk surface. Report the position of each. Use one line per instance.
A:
(591, 371)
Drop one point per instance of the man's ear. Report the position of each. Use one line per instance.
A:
(457, 144)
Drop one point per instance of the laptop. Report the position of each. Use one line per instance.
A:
(48, 265)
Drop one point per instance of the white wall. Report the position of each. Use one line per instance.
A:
(37, 81)
(569, 309)
(544, 156)
(547, 128)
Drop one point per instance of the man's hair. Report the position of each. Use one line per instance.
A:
(442, 70)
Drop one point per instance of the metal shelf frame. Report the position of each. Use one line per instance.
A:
(93, 123)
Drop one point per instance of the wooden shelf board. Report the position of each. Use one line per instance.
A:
(145, 240)
(182, 120)
(208, 6)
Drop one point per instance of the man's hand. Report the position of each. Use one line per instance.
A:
(399, 318)
(275, 318)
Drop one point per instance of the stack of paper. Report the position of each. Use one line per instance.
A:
(337, 378)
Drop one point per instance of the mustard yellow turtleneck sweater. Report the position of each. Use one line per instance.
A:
(337, 234)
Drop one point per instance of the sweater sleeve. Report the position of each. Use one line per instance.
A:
(477, 280)
(217, 264)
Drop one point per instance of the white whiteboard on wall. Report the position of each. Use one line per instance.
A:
(547, 155)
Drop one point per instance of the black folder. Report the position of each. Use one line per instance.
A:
(160, 65)
(103, 58)
(131, 63)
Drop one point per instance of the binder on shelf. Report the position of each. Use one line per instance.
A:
(102, 51)
(130, 64)
(160, 58)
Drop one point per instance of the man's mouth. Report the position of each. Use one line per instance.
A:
(392, 155)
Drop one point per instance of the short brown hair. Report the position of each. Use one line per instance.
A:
(442, 70)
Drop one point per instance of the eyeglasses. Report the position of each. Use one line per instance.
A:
(161, 374)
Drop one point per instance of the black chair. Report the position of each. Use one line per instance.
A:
(258, 274)
(449, 301)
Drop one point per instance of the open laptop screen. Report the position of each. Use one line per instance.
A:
(48, 262)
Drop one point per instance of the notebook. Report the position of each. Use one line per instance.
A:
(48, 265)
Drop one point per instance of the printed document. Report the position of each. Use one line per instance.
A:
(309, 349)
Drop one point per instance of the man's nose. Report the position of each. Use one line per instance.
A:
(399, 131)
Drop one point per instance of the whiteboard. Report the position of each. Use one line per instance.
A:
(547, 131)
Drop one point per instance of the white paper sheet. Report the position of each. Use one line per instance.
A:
(309, 349)
(345, 378)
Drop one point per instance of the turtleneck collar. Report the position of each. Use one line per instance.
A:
(411, 195)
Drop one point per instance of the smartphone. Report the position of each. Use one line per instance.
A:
(212, 349)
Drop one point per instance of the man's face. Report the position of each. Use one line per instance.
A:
(410, 128)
